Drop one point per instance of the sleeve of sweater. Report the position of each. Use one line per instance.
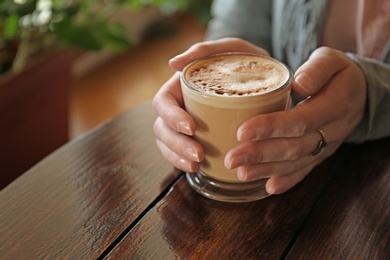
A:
(249, 20)
(376, 122)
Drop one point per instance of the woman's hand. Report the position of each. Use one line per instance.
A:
(174, 127)
(279, 145)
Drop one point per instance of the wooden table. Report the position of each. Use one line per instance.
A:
(110, 195)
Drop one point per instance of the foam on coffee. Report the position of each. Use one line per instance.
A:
(233, 75)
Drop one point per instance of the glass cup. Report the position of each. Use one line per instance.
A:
(221, 92)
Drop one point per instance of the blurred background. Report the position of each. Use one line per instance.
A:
(68, 66)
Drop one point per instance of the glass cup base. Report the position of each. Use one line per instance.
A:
(227, 191)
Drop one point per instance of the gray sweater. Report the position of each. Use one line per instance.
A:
(271, 25)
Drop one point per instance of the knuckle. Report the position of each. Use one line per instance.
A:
(200, 46)
(157, 126)
(258, 157)
(331, 54)
(269, 170)
(294, 152)
(300, 124)
(236, 40)
(270, 130)
(326, 51)
(156, 103)
(301, 127)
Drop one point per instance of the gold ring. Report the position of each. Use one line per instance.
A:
(321, 144)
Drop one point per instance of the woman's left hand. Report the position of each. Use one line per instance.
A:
(280, 145)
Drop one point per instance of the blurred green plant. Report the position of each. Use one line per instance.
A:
(30, 26)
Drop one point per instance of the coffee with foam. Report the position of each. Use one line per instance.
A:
(236, 75)
(220, 93)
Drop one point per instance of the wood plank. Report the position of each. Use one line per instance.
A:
(77, 201)
(186, 225)
(358, 224)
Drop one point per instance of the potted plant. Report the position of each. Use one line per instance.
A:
(38, 41)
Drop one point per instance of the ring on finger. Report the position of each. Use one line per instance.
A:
(321, 144)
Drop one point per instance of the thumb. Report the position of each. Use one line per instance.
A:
(321, 66)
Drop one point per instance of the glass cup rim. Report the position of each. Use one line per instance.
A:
(278, 89)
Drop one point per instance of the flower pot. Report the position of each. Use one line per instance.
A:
(33, 113)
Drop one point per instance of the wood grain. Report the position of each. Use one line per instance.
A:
(110, 195)
(76, 202)
(188, 226)
(352, 219)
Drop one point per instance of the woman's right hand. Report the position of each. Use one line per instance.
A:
(174, 127)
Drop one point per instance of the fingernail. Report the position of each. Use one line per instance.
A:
(192, 154)
(178, 57)
(270, 189)
(241, 175)
(185, 165)
(245, 135)
(172, 60)
(236, 162)
(184, 128)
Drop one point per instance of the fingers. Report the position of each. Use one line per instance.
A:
(180, 150)
(281, 184)
(293, 122)
(278, 156)
(268, 170)
(207, 48)
(174, 159)
(272, 150)
(168, 104)
(285, 161)
(282, 175)
(336, 102)
(321, 66)
(174, 126)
